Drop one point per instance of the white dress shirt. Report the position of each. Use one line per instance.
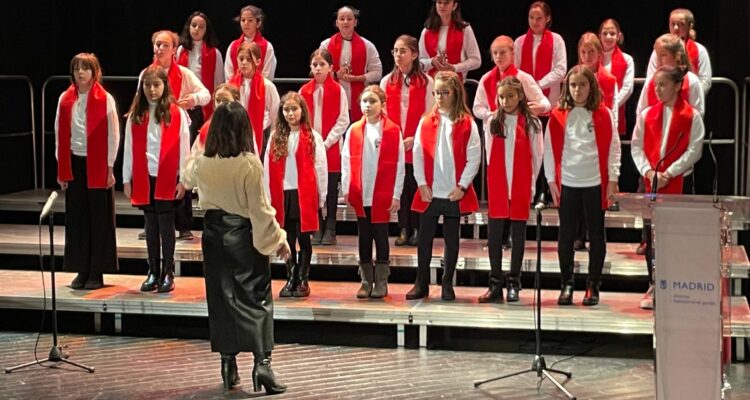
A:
(342, 122)
(471, 57)
(704, 72)
(429, 101)
(444, 170)
(373, 65)
(623, 93)
(537, 149)
(291, 179)
(195, 62)
(269, 62)
(696, 96)
(78, 127)
(191, 84)
(531, 90)
(556, 75)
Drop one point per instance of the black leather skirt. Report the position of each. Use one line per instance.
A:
(238, 286)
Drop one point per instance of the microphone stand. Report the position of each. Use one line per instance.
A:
(56, 353)
(538, 365)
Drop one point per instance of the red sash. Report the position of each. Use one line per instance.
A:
(307, 183)
(97, 136)
(256, 105)
(681, 121)
(203, 132)
(543, 64)
(618, 67)
(330, 113)
(257, 39)
(693, 55)
(607, 83)
(491, 80)
(684, 91)
(169, 159)
(602, 131)
(454, 45)
(428, 137)
(208, 69)
(358, 64)
(174, 76)
(417, 106)
(385, 177)
(500, 204)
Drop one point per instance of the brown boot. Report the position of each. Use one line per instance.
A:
(382, 270)
(366, 273)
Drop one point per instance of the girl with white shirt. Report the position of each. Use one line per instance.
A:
(514, 146)
(295, 175)
(372, 181)
(447, 153)
(251, 21)
(87, 135)
(447, 42)
(618, 64)
(673, 129)
(408, 93)
(257, 94)
(541, 52)
(157, 140)
(355, 59)
(329, 114)
(582, 166)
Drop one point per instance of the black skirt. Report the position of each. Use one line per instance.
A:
(238, 286)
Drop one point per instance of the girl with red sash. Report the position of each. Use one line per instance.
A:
(251, 20)
(224, 93)
(582, 166)
(372, 167)
(541, 52)
(447, 153)
(329, 112)
(514, 147)
(682, 24)
(408, 94)
(295, 176)
(618, 64)
(156, 143)
(673, 129)
(87, 136)
(447, 42)
(355, 59)
(257, 94)
(670, 51)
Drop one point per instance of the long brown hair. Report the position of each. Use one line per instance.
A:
(673, 44)
(139, 107)
(280, 135)
(416, 74)
(497, 123)
(595, 97)
(433, 19)
(459, 109)
(209, 38)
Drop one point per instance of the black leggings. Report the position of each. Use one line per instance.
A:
(293, 225)
(571, 201)
(495, 229)
(408, 219)
(332, 200)
(369, 232)
(428, 223)
(160, 234)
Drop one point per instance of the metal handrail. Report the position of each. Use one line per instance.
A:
(33, 120)
(744, 130)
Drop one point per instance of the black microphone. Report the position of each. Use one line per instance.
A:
(715, 187)
(655, 181)
(48, 205)
(541, 204)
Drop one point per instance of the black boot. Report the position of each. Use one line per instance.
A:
(318, 235)
(303, 275)
(94, 281)
(494, 293)
(166, 281)
(263, 376)
(291, 278)
(366, 274)
(414, 238)
(329, 238)
(152, 279)
(566, 294)
(229, 374)
(79, 281)
(514, 286)
(421, 287)
(447, 292)
(380, 289)
(403, 238)
(591, 298)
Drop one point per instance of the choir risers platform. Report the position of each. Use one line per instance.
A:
(335, 302)
(621, 258)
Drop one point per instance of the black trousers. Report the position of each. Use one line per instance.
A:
(495, 229)
(408, 219)
(90, 241)
(183, 212)
(369, 232)
(428, 223)
(589, 200)
(293, 225)
(332, 201)
(159, 217)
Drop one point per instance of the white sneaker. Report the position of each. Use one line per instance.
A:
(647, 302)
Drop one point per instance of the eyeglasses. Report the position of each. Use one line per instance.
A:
(401, 52)
(441, 92)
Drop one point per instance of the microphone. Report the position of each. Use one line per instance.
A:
(715, 187)
(541, 204)
(655, 182)
(48, 205)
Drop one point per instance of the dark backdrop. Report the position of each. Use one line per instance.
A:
(38, 38)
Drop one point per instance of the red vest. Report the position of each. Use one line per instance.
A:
(330, 113)
(385, 178)
(97, 136)
(618, 67)
(491, 80)
(235, 47)
(208, 69)
(460, 137)
(358, 65)
(693, 55)
(501, 205)
(307, 183)
(454, 45)
(169, 159)
(607, 83)
(417, 106)
(543, 64)
(603, 132)
(256, 105)
(174, 76)
(681, 122)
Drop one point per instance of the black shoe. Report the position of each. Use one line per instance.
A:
(185, 235)
(366, 273)
(418, 292)
(329, 238)
(142, 235)
(414, 238)
(380, 280)
(403, 238)
(79, 281)
(566, 295)
(514, 286)
(263, 376)
(447, 292)
(641, 249)
(166, 280)
(291, 279)
(494, 294)
(579, 245)
(591, 298)
(317, 237)
(303, 275)
(229, 374)
(95, 281)
(152, 279)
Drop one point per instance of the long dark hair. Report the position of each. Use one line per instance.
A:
(595, 96)
(497, 123)
(416, 74)
(139, 107)
(230, 133)
(433, 19)
(210, 39)
(281, 133)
